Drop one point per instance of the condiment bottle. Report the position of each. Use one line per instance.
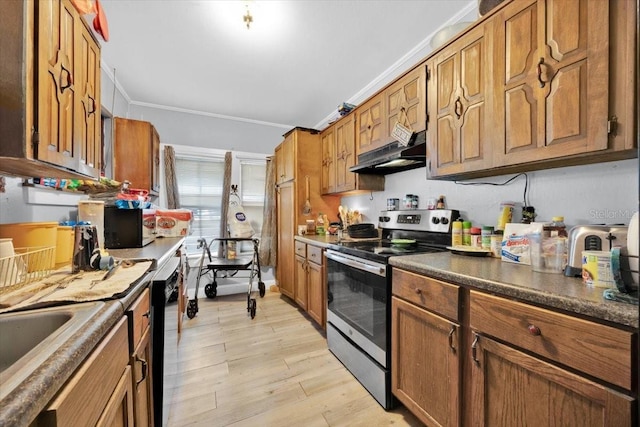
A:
(320, 224)
(496, 243)
(456, 233)
(476, 237)
(555, 228)
(466, 233)
(487, 231)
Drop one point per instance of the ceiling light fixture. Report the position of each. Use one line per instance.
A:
(247, 18)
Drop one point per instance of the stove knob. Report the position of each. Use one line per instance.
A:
(444, 220)
(435, 220)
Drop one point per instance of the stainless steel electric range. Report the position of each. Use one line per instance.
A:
(359, 292)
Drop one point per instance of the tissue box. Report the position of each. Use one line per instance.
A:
(173, 222)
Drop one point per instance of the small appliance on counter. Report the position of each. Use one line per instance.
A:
(592, 238)
(128, 228)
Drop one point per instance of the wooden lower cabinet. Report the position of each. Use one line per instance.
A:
(425, 364)
(141, 359)
(100, 391)
(286, 231)
(301, 284)
(310, 279)
(512, 388)
(465, 357)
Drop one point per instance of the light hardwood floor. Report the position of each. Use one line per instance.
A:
(274, 370)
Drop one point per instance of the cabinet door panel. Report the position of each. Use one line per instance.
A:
(447, 152)
(89, 142)
(512, 388)
(286, 231)
(328, 180)
(520, 103)
(446, 86)
(426, 364)
(316, 293)
(345, 154)
(371, 129)
(56, 73)
(471, 133)
(301, 285)
(521, 35)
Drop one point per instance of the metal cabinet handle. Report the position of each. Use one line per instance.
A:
(418, 291)
(474, 349)
(92, 108)
(540, 64)
(451, 332)
(144, 369)
(458, 108)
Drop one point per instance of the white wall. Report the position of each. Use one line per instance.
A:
(591, 194)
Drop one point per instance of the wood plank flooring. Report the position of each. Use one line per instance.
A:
(274, 370)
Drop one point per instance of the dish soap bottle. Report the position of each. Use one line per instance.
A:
(320, 224)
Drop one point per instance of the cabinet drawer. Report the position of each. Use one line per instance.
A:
(301, 249)
(314, 254)
(599, 350)
(83, 399)
(139, 319)
(432, 294)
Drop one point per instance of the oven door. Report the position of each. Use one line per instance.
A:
(358, 302)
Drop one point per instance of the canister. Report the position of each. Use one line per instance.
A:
(92, 211)
(596, 269)
(393, 204)
(487, 231)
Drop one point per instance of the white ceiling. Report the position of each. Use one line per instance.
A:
(293, 67)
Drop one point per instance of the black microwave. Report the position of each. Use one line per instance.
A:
(128, 228)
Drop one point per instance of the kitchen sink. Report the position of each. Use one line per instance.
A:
(29, 338)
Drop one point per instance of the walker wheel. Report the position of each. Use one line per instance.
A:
(211, 290)
(261, 288)
(253, 307)
(192, 309)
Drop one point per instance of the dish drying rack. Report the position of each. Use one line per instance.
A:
(28, 265)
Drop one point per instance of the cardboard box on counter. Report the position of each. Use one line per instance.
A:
(173, 222)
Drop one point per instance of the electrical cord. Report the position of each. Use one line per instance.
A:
(525, 195)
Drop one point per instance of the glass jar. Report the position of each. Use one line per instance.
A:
(487, 231)
(476, 237)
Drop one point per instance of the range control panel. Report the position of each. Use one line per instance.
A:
(437, 221)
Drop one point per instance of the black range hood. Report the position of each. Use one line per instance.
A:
(393, 157)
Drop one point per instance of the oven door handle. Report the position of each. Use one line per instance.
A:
(380, 270)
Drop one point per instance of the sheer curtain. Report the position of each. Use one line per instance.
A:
(173, 194)
(268, 241)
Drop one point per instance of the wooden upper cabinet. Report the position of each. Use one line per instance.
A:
(371, 129)
(339, 155)
(328, 141)
(460, 133)
(68, 119)
(136, 154)
(345, 135)
(285, 160)
(57, 66)
(552, 79)
(406, 101)
(88, 90)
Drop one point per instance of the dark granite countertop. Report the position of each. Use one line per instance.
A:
(24, 403)
(318, 240)
(556, 291)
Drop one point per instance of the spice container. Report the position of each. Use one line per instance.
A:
(476, 237)
(496, 244)
(466, 233)
(487, 231)
(456, 233)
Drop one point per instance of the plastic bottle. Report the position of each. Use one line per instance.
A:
(466, 233)
(456, 233)
(476, 237)
(496, 244)
(487, 231)
(320, 224)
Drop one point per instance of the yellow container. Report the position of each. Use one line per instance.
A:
(596, 269)
(32, 235)
(64, 246)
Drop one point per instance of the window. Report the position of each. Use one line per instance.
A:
(200, 175)
(252, 184)
(200, 186)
